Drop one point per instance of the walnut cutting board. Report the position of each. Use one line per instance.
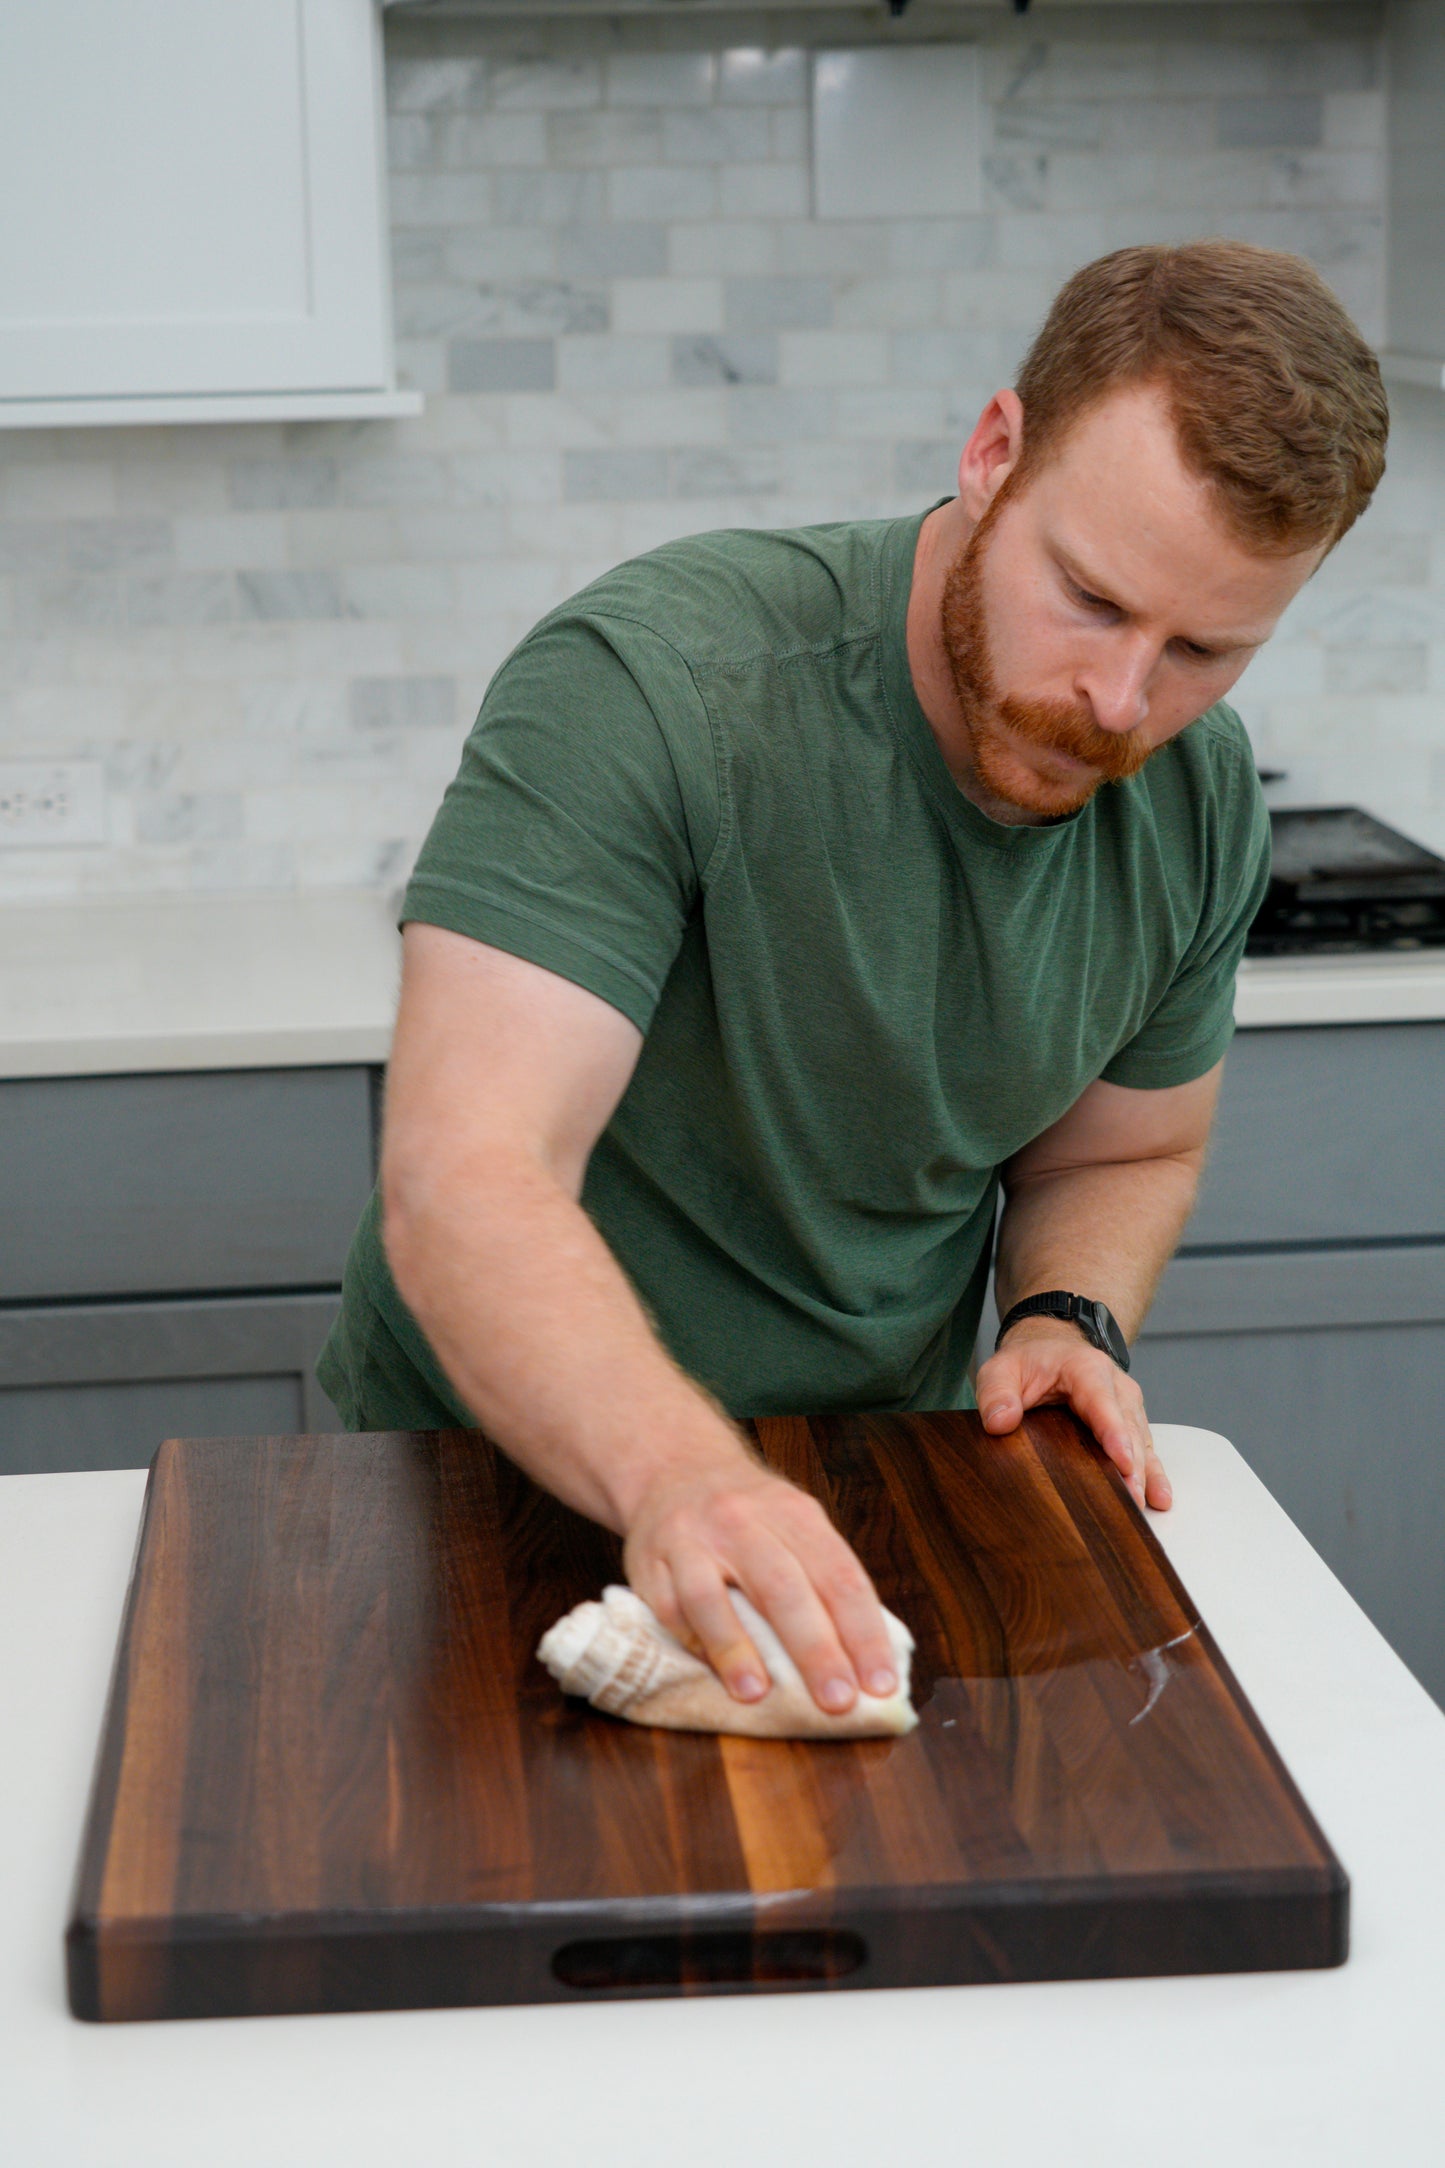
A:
(333, 1776)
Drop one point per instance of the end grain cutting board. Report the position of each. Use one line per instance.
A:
(333, 1775)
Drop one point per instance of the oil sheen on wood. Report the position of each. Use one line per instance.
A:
(333, 1775)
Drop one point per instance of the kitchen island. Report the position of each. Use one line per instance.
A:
(1331, 2068)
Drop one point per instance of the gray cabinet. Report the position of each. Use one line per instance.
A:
(1304, 1316)
(1326, 1370)
(171, 1256)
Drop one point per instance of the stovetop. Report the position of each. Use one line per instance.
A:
(1343, 882)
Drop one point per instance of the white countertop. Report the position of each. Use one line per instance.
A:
(127, 984)
(197, 982)
(1296, 2070)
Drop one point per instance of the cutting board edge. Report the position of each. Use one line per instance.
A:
(1284, 1919)
(96, 1829)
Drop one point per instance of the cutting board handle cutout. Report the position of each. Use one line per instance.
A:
(660, 1961)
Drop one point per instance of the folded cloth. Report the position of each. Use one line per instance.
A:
(618, 1656)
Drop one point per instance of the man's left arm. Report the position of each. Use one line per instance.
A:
(1095, 1205)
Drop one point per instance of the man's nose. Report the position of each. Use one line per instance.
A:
(1116, 685)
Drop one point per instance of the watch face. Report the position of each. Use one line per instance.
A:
(1111, 1339)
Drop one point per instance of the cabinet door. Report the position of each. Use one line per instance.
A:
(1327, 1136)
(99, 1385)
(195, 199)
(1327, 1371)
(202, 1182)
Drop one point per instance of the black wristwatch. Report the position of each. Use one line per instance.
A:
(1099, 1325)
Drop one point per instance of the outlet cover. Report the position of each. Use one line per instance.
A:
(51, 804)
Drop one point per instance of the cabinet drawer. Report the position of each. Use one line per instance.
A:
(1328, 1135)
(98, 1385)
(176, 1184)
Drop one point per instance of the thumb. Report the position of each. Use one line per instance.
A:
(1000, 1393)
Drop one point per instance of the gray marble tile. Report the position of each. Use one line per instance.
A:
(1289, 120)
(1325, 62)
(204, 816)
(725, 358)
(1360, 669)
(760, 414)
(546, 85)
(57, 603)
(118, 545)
(661, 79)
(639, 473)
(927, 467)
(644, 193)
(549, 199)
(417, 84)
(1050, 123)
(181, 598)
(265, 485)
(778, 304)
(383, 478)
(722, 136)
(398, 592)
(704, 471)
(33, 546)
(748, 75)
(288, 594)
(1016, 180)
(403, 703)
(604, 138)
(489, 365)
(637, 250)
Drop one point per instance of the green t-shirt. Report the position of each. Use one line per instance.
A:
(705, 790)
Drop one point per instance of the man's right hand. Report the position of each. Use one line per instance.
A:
(698, 1531)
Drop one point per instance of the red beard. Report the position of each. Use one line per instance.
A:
(1054, 725)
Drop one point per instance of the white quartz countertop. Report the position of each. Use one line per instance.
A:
(1333, 2069)
(197, 982)
(129, 984)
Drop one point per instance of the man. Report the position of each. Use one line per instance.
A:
(799, 891)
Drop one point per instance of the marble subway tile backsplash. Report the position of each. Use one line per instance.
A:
(629, 326)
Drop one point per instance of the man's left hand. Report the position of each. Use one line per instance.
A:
(1043, 1360)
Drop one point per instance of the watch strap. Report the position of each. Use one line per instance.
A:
(1094, 1320)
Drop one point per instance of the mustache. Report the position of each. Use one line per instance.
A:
(1060, 726)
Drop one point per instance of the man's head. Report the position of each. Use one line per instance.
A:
(1194, 428)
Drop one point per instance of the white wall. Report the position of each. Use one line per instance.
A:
(628, 326)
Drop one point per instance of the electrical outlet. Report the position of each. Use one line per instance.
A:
(51, 802)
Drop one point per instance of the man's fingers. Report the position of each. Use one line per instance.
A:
(1113, 1407)
(776, 1580)
(1000, 1393)
(764, 1536)
(707, 1609)
(1157, 1487)
(835, 1576)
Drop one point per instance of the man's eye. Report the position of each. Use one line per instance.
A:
(1091, 602)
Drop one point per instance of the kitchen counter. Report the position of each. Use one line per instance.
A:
(1325, 2067)
(131, 984)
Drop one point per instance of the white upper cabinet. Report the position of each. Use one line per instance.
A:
(194, 211)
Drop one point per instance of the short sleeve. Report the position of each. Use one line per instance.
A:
(1190, 1027)
(583, 809)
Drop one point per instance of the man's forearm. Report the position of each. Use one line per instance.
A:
(1105, 1230)
(538, 1328)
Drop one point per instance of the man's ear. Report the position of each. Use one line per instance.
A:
(991, 453)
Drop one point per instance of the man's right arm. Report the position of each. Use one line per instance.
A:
(502, 1078)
